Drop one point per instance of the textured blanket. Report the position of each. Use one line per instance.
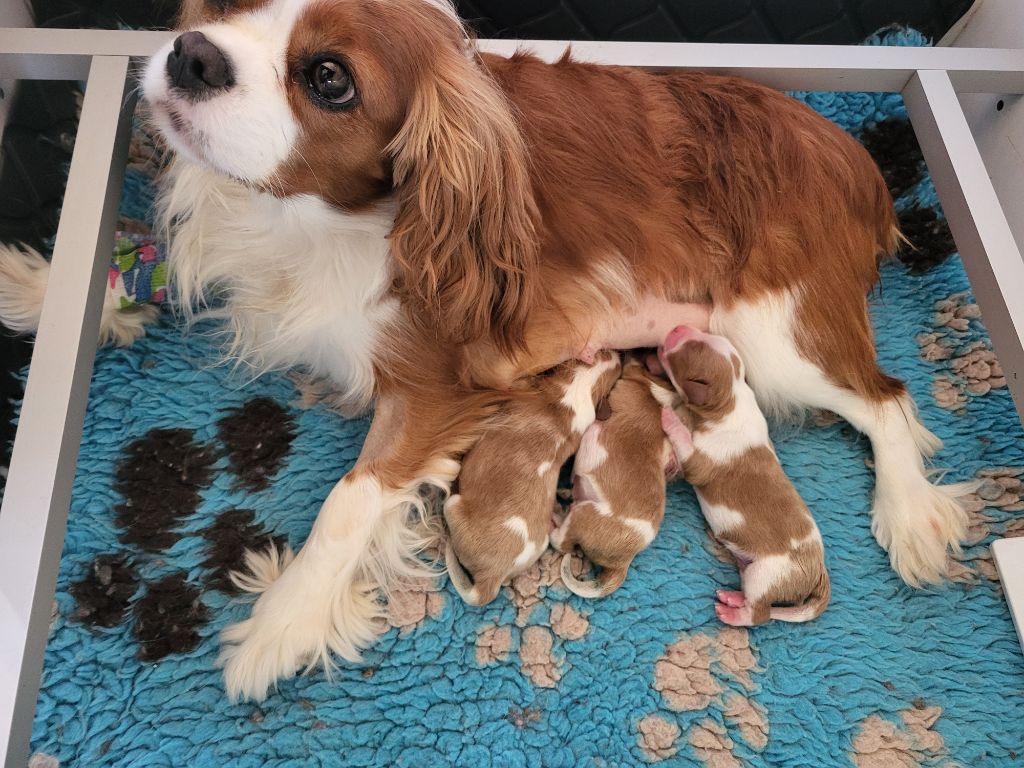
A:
(185, 464)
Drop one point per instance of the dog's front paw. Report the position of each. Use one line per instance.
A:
(303, 616)
(919, 524)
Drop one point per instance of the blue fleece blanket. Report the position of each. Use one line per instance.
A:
(184, 464)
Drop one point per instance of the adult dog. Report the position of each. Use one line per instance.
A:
(425, 224)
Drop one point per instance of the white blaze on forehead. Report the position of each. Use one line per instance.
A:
(248, 130)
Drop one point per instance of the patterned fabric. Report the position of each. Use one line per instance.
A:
(167, 497)
(138, 271)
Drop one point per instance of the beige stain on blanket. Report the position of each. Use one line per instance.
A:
(750, 718)
(997, 498)
(529, 588)
(657, 738)
(712, 745)
(683, 674)
(493, 644)
(687, 673)
(910, 743)
(972, 370)
(568, 623)
(699, 672)
(413, 603)
(536, 658)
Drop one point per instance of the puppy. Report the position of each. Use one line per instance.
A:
(747, 500)
(618, 482)
(500, 519)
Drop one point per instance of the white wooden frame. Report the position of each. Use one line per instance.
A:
(35, 507)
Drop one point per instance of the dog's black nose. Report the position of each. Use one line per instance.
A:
(197, 66)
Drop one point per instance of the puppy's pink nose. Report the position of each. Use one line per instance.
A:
(677, 336)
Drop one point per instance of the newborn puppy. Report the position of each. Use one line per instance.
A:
(618, 482)
(501, 516)
(749, 503)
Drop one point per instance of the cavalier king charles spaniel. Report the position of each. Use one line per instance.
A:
(377, 201)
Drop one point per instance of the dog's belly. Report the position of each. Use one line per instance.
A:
(648, 324)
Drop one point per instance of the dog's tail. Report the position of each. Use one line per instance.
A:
(812, 607)
(24, 274)
(604, 584)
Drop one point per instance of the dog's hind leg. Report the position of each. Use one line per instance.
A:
(798, 359)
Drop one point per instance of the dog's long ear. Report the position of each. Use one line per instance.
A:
(465, 236)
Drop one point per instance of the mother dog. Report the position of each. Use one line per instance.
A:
(379, 202)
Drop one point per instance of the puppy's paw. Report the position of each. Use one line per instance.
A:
(731, 599)
(733, 616)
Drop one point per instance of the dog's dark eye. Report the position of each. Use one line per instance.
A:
(331, 82)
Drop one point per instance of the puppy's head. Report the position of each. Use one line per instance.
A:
(703, 368)
(354, 102)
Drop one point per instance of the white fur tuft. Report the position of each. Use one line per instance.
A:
(917, 522)
(325, 601)
(303, 284)
(24, 274)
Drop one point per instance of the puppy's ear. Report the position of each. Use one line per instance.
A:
(697, 392)
(465, 237)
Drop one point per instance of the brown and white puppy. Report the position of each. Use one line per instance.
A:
(747, 500)
(500, 518)
(618, 482)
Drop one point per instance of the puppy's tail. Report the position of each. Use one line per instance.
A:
(473, 593)
(606, 582)
(811, 608)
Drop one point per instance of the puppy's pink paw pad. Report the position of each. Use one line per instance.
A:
(731, 599)
(736, 617)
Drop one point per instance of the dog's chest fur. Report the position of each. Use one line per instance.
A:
(297, 282)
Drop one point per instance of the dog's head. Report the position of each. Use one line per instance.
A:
(354, 102)
(703, 368)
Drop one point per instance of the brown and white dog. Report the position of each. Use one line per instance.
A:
(499, 520)
(747, 500)
(618, 482)
(378, 202)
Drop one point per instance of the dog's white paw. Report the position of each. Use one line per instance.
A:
(122, 327)
(304, 614)
(919, 525)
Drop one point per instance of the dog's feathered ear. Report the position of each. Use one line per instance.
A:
(465, 236)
